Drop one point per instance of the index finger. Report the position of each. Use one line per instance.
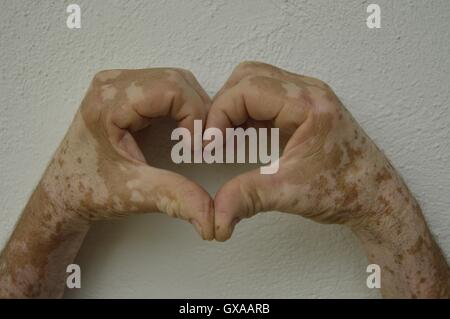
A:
(153, 93)
(261, 98)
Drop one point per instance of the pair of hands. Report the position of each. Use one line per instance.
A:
(330, 170)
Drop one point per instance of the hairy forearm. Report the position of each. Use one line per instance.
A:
(46, 239)
(412, 264)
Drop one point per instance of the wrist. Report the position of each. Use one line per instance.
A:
(58, 193)
(395, 229)
(52, 213)
(412, 265)
(388, 205)
(393, 218)
(44, 242)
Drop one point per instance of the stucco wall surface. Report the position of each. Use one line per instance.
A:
(395, 80)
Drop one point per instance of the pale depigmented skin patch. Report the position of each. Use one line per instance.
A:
(134, 183)
(136, 197)
(135, 93)
(108, 75)
(108, 92)
(292, 90)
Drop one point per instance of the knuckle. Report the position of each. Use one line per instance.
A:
(245, 65)
(259, 83)
(256, 67)
(107, 75)
(186, 72)
(331, 107)
(247, 84)
(100, 73)
(318, 83)
(175, 75)
(322, 84)
(252, 80)
(174, 91)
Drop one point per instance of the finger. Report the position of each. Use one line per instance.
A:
(155, 189)
(250, 68)
(243, 197)
(263, 99)
(157, 96)
(255, 68)
(192, 80)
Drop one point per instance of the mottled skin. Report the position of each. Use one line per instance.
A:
(99, 172)
(331, 172)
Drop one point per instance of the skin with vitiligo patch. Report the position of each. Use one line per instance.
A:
(99, 172)
(331, 172)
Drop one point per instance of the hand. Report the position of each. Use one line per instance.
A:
(99, 172)
(330, 170)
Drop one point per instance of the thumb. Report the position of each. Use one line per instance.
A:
(243, 197)
(164, 191)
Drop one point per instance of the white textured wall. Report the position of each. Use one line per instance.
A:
(395, 80)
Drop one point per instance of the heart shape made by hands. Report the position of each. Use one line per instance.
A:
(329, 171)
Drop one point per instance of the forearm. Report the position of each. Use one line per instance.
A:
(46, 239)
(412, 264)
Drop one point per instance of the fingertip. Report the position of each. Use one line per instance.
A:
(202, 217)
(221, 235)
(225, 215)
(223, 232)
